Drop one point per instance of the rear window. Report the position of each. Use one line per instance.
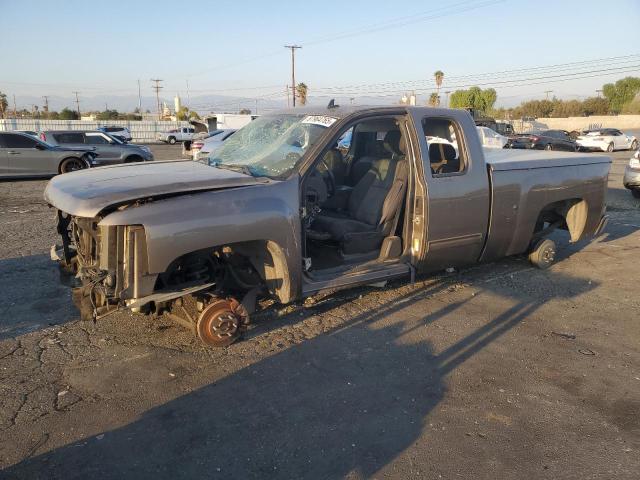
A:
(69, 137)
(445, 155)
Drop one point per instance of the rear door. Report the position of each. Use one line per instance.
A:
(25, 156)
(458, 203)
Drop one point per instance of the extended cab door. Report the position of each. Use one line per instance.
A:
(457, 189)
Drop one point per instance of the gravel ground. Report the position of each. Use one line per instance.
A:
(496, 371)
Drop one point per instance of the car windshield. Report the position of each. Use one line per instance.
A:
(271, 145)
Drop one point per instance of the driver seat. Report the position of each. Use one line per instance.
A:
(373, 204)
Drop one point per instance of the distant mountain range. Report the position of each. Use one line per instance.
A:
(202, 104)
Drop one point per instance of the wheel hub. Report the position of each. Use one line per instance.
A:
(221, 322)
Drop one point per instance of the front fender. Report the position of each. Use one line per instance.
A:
(182, 224)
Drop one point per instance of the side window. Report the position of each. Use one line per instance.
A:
(95, 139)
(191, 130)
(18, 141)
(445, 155)
(69, 137)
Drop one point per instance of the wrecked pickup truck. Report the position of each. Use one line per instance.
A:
(279, 210)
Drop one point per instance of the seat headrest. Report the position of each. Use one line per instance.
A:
(441, 151)
(392, 141)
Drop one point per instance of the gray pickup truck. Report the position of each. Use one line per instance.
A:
(280, 211)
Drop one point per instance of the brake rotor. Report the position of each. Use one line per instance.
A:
(222, 322)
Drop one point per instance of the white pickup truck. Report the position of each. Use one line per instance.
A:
(181, 134)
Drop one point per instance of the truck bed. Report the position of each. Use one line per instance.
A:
(507, 159)
(524, 183)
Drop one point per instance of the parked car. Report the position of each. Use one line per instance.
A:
(213, 141)
(607, 140)
(631, 179)
(121, 133)
(177, 135)
(490, 138)
(23, 155)
(545, 140)
(275, 212)
(110, 150)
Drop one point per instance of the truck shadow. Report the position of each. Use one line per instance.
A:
(32, 296)
(349, 401)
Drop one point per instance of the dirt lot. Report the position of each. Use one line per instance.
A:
(497, 371)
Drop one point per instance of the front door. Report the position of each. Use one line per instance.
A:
(24, 157)
(105, 147)
(457, 206)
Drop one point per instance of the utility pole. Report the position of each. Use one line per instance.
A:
(547, 92)
(46, 103)
(15, 109)
(77, 104)
(157, 88)
(599, 91)
(293, 49)
(446, 101)
(139, 99)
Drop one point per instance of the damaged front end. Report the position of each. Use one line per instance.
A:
(109, 263)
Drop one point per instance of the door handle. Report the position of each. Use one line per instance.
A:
(13, 152)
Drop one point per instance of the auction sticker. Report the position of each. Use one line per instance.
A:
(322, 120)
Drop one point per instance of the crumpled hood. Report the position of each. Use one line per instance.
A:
(87, 192)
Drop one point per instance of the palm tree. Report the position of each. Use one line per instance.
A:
(434, 100)
(439, 76)
(301, 93)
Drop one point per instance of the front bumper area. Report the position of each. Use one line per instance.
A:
(109, 263)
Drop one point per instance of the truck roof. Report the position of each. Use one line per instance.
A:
(342, 111)
(509, 159)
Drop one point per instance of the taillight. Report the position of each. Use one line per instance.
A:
(43, 137)
(197, 145)
(535, 139)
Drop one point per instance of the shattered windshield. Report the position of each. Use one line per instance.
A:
(271, 145)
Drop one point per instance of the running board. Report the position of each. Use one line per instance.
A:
(353, 279)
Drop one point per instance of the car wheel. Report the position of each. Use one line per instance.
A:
(71, 165)
(172, 140)
(543, 254)
(610, 147)
(548, 147)
(133, 158)
(576, 148)
(635, 192)
(634, 145)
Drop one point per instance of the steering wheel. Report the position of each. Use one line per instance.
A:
(329, 179)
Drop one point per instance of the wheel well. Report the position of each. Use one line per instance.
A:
(236, 267)
(570, 214)
(133, 158)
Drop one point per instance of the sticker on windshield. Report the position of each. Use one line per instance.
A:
(321, 120)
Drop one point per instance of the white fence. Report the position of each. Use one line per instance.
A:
(142, 131)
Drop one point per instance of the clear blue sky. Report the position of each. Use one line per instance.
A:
(55, 47)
